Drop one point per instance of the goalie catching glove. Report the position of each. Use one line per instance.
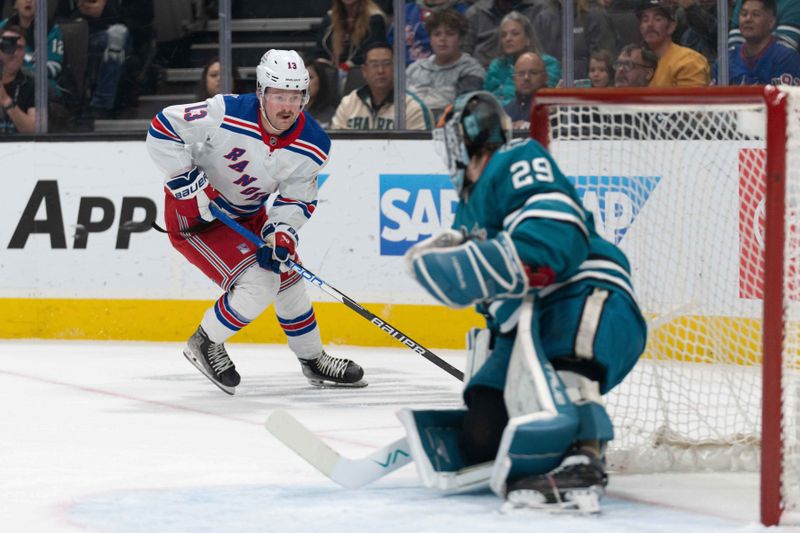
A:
(281, 242)
(460, 273)
(195, 192)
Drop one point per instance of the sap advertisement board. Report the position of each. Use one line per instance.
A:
(76, 221)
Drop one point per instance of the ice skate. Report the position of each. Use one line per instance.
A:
(327, 371)
(576, 486)
(212, 360)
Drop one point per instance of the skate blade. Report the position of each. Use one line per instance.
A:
(325, 384)
(199, 366)
(576, 501)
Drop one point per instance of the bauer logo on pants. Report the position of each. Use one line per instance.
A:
(412, 208)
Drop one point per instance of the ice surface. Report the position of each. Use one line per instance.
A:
(130, 438)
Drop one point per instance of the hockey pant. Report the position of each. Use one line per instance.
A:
(229, 260)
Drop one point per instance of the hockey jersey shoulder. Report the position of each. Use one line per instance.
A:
(241, 114)
(523, 168)
(313, 142)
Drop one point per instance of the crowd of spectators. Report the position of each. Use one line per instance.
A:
(103, 54)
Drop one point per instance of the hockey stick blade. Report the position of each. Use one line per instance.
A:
(349, 473)
(312, 278)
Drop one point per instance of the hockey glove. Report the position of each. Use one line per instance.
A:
(476, 271)
(445, 239)
(195, 192)
(281, 242)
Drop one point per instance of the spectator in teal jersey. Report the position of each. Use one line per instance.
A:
(516, 37)
(24, 16)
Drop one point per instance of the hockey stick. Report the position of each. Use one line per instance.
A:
(352, 304)
(349, 473)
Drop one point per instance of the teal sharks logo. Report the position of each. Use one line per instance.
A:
(615, 201)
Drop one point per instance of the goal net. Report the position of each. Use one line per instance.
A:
(701, 189)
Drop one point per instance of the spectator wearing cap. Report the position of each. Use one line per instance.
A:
(17, 111)
(635, 66)
(678, 66)
(761, 59)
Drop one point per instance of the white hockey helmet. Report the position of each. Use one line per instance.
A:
(282, 69)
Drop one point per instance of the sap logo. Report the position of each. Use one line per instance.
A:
(614, 210)
(412, 208)
(321, 179)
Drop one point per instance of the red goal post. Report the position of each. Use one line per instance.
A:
(615, 140)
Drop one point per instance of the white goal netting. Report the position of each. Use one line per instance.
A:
(681, 189)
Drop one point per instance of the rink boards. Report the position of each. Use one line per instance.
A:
(79, 259)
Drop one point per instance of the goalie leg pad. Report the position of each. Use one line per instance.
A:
(433, 439)
(472, 272)
(544, 421)
(434, 436)
(532, 445)
(595, 424)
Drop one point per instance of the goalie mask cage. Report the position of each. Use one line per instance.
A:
(701, 189)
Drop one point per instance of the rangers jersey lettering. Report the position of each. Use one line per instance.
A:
(224, 137)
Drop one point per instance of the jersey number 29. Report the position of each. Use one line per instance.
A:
(521, 175)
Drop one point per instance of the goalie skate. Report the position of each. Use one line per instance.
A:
(328, 371)
(212, 360)
(575, 486)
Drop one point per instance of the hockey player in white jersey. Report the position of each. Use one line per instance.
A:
(256, 156)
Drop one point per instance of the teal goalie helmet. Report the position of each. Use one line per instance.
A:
(475, 124)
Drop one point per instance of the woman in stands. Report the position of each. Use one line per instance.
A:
(515, 37)
(322, 99)
(347, 29)
(209, 83)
